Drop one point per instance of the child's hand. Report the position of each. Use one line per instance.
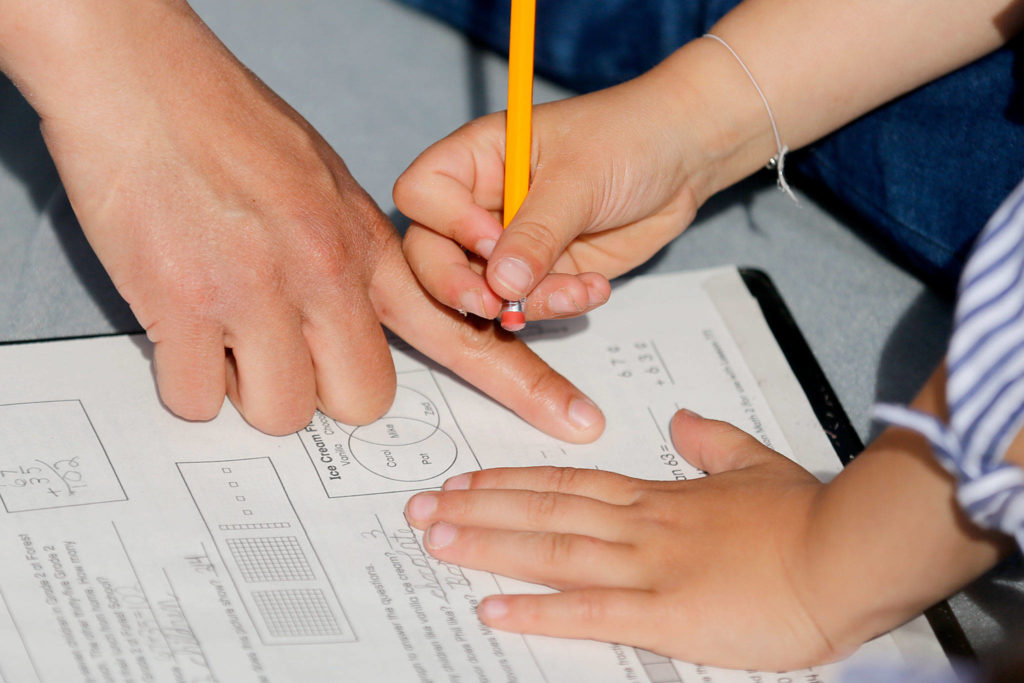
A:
(712, 570)
(611, 185)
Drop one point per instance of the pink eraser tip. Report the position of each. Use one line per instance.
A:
(513, 321)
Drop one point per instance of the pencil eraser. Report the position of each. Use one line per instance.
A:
(513, 321)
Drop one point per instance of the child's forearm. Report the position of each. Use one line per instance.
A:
(821, 64)
(889, 538)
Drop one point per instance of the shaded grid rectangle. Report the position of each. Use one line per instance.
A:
(296, 613)
(270, 558)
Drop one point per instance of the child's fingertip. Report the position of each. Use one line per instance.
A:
(440, 536)
(459, 482)
(492, 608)
(485, 247)
(472, 301)
(677, 425)
(421, 507)
(684, 415)
(597, 295)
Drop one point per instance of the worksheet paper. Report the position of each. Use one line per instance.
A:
(136, 546)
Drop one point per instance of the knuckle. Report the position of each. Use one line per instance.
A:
(555, 549)
(564, 478)
(342, 240)
(589, 608)
(479, 343)
(193, 293)
(545, 382)
(272, 282)
(320, 246)
(325, 254)
(541, 506)
(538, 239)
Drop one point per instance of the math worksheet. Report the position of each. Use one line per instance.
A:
(136, 546)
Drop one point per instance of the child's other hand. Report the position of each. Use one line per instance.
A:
(611, 185)
(711, 570)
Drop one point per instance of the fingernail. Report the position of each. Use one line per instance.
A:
(473, 302)
(561, 303)
(595, 297)
(485, 248)
(440, 535)
(583, 413)
(513, 274)
(421, 506)
(688, 413)
(459, 482)
(492, 608)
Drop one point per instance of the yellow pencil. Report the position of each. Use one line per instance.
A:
(517, 128)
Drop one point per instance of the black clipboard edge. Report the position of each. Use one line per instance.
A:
(836, 424)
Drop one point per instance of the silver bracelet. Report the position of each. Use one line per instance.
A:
(778, 161)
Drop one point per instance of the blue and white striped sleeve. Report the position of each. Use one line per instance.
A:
(985, 378)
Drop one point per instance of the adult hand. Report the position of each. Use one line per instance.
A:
(710, 570)
(254, 261)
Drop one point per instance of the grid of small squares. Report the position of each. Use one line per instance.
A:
(296, 613)
(270, 558)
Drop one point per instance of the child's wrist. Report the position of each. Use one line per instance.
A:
(718, 115)
(887, 540)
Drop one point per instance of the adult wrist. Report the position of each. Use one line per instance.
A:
(61, 55)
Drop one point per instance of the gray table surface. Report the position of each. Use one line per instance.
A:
(381, 82)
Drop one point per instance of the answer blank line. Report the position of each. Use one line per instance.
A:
(657, 426)
(387, 538)
(664, 367)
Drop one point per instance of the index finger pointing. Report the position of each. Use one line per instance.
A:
(497, 363)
